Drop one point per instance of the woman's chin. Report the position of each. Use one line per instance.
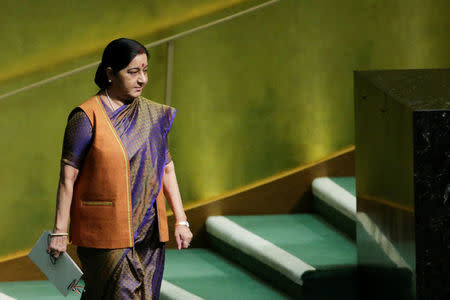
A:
(135, 94)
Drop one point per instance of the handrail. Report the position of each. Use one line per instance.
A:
(201, 27)
(150, 45)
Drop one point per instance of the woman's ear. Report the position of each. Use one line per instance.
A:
(109, 73)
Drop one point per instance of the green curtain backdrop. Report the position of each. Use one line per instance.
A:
(255, 96)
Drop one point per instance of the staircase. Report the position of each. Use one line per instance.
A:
(295, 256)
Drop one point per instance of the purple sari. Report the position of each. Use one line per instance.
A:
(129, 273)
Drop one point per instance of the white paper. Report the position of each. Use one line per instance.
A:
(64, 274)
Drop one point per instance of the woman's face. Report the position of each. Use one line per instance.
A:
(129, 82)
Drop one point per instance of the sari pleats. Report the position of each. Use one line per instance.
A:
(140, 273)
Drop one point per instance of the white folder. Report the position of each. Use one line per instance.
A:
(64, 273)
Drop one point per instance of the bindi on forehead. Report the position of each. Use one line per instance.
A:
(143, 65)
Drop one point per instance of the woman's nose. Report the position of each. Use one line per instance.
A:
(142, 79)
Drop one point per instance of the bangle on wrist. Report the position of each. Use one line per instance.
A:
(184, 223)
(58, 234)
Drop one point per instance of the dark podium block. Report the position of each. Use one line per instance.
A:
(402, 142)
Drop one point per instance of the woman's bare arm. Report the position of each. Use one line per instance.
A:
(183, 235)
(67, 177)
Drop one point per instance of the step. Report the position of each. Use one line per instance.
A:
(43, 290)
(205, 274)
(202, 272)
(335, 201)
(294, 252)
(32, 290)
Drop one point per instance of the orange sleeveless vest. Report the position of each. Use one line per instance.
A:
(101, 212)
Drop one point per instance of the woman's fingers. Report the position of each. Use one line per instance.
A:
(185, 244)
(186, 237)
(183, 236)
(55, 253)
(57, 245)
(178, 239)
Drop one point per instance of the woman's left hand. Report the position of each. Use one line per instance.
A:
(183, 236)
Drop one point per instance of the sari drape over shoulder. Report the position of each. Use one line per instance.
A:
(142, 126)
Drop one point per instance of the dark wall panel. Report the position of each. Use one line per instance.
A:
(402, 183)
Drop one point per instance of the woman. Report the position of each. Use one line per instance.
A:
(115, 163)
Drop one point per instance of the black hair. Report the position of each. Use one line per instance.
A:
(118, 54)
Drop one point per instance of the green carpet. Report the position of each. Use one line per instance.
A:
(210, 276)
(335, 218)
(305, 236)
(33, 290)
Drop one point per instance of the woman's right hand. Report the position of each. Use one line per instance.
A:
(58, 245)
(67, 178)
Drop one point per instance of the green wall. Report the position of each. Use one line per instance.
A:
(255, 96)
(36, 34)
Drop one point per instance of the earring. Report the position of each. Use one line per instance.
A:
(109, 80)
